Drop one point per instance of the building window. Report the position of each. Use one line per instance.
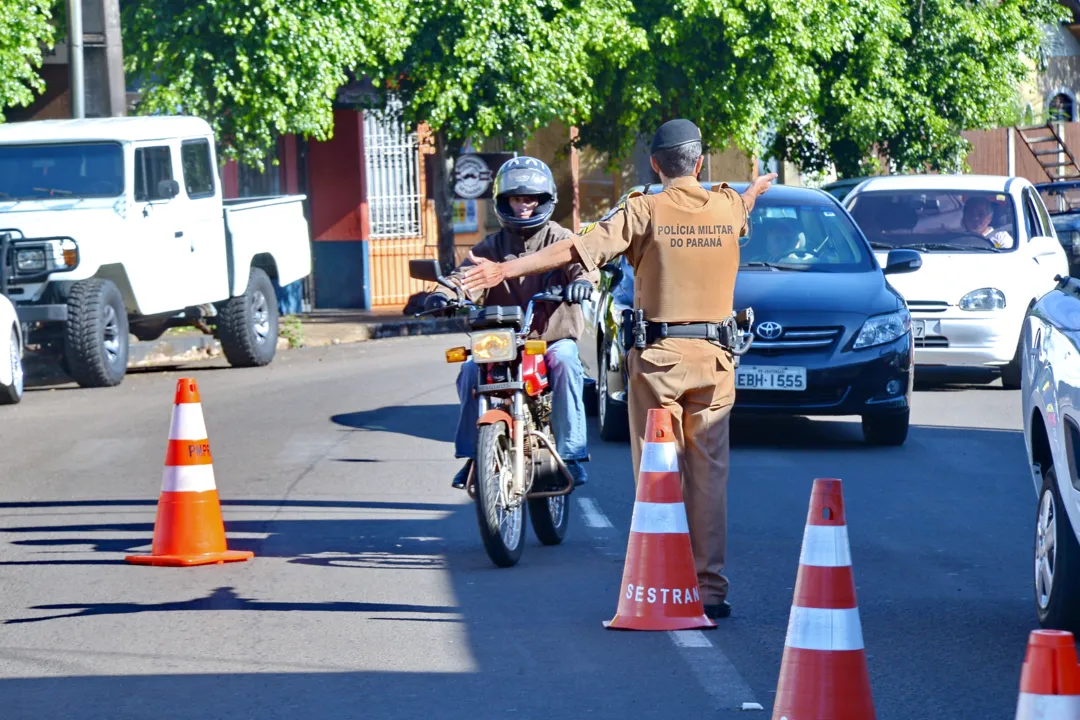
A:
(392, 167)
(1062, 108)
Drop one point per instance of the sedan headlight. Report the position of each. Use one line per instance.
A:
(30, 260)
(493, 346)
(883, 329)
(983, 299)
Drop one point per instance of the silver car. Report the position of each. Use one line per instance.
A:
(1051, 405)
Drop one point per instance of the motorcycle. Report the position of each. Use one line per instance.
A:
(516, 464)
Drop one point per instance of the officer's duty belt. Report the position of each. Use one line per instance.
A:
(713, 332)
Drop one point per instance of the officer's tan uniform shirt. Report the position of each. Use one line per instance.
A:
(685, 266)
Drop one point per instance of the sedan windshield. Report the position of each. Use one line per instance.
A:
(807, 236)
(78, 170)
(936, 220)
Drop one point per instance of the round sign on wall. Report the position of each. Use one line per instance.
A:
(472, 177)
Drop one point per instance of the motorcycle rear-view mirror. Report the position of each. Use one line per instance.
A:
(425, 270)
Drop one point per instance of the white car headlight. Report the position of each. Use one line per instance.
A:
(883, 329)
(983, 299)
(493, 346)
(30, 260)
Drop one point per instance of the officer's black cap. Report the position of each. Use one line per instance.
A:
(674, 133)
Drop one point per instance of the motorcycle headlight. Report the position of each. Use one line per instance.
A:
(983, 299)
(883, 329)
(493, 346)
(30, 260)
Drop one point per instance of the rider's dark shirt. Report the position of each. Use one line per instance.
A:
(550, 322)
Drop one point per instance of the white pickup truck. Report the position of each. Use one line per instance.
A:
(111, 226)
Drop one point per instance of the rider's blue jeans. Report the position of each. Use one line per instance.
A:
(567, 378)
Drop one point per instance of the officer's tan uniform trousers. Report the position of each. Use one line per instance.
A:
(694, 381)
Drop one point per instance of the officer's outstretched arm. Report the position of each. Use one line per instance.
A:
(487, 274)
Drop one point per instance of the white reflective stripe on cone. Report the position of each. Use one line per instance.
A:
(1044, 707)
(655, 518)
(825, 546)
(188, 478)
(187, 422)
(659, 457)
(822, 629)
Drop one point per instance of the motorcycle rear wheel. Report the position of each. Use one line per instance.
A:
(502, 530)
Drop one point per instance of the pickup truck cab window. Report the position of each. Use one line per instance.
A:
(198, 170)
(152, 165)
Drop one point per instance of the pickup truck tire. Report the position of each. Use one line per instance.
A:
(96, 334)
(248, 324)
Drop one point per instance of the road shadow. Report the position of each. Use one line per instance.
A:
(223, 598)
(429, 422)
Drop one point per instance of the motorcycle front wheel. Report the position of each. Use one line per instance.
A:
(502, 530)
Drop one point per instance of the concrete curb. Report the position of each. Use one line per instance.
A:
(193, 348)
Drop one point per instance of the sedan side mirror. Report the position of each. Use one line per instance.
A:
(902, 261)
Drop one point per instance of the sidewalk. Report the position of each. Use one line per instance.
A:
(317, 328)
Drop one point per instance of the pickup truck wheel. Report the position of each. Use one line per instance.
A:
(96, 334)
(248, 325)
(12, 394)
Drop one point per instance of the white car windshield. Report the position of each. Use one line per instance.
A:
(76, 170)
(936, 220)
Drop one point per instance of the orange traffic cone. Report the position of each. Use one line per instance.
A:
(189, 529)
(1050, 679)
(659, 588)
(823, 674)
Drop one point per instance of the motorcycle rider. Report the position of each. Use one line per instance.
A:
(525, 197)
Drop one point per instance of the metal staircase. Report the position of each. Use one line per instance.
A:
(1054, 157)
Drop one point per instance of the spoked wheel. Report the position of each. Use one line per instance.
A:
(502, 529)
(550, 518)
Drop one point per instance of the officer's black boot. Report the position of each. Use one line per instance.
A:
(715, 612)
(462, 476)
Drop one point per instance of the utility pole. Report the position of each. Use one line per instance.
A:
(75, 58)
(97, 60)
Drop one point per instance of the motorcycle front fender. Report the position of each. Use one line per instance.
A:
(493, 416)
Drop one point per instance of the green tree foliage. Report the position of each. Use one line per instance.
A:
(833, 81)
(255, 69)
(910, 77)
(480, 69)
(25, 27)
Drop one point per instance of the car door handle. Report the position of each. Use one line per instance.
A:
(179, 234)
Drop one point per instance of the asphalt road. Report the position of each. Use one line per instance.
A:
(370, 595)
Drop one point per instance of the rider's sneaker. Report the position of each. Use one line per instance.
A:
(578, 471)
(462, 476)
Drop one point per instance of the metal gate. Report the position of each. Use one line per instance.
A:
(395, 200)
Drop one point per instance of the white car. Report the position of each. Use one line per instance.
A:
(1051, 405)
(990, 251)
(11, 352)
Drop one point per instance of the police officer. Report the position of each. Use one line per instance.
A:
(525, 197)
(683, 244)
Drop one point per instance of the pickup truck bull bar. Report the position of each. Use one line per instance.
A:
(9, 243)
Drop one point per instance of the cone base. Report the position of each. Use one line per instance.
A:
(700, 622)
(188, 560)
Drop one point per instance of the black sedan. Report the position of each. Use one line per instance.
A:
(831, 336)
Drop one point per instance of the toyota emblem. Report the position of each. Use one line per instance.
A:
(769, 330)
